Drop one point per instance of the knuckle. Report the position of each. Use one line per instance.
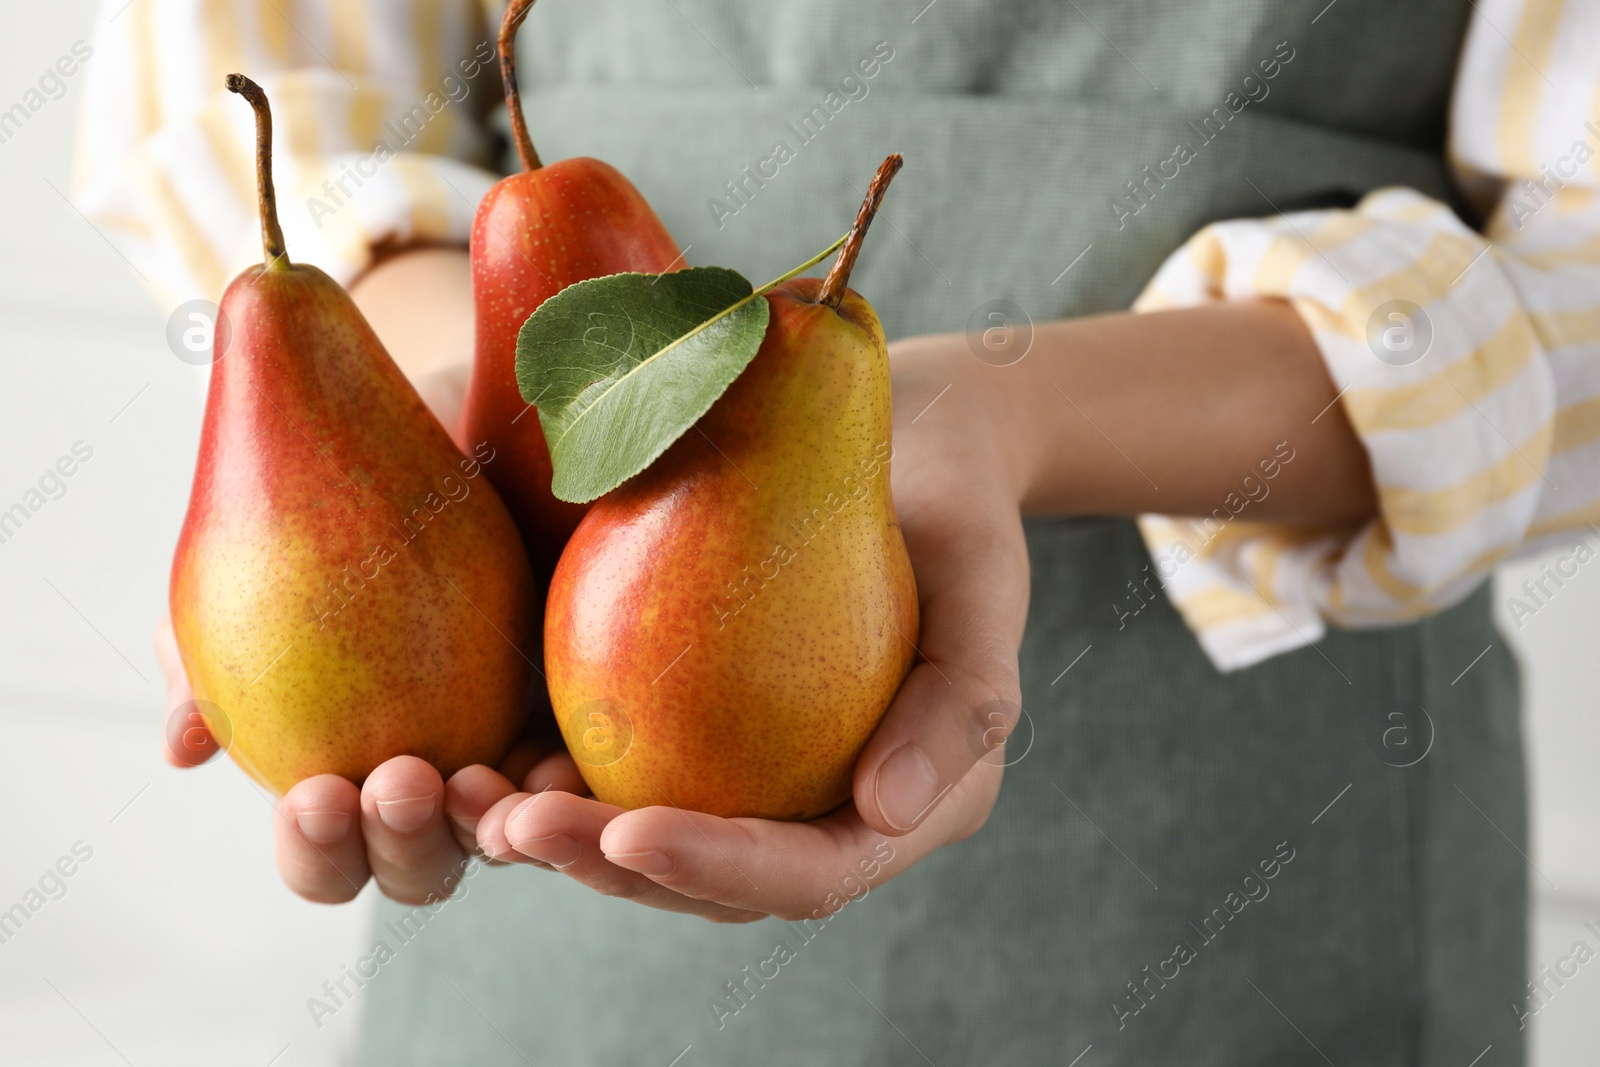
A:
(993, 720)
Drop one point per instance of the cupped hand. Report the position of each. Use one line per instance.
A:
(931, 772)
(405, 826)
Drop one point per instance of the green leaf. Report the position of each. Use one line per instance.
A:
(621, 366)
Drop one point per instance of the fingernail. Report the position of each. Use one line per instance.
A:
(407, 813)
(323, 827)
(651, 864)
(907, 787)
(465, 825)
(558, 850)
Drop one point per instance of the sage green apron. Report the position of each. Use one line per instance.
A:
(1316, 860)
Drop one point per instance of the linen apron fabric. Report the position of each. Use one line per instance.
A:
(1315, 860)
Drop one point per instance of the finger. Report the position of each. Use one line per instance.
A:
(166, 642)
(564, 831)
(556, 771)
(522, 758)
(188, 741)
(411, 850)
(318, 831)
(791, 870)
(543, 763)
(492, 841)
(963, 699)
(469, 793)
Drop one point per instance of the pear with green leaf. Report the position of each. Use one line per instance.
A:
(725, 629)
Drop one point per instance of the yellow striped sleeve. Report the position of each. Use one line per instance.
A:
(1467, 360)
(378, 118)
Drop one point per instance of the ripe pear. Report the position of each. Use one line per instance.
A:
(347, 585)
(535, 233)
(726, 629)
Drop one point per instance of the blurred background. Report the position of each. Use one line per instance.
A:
(172, 941)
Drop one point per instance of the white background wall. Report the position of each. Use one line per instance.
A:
(175, 943)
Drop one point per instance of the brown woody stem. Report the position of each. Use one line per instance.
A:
(277, 257)
(833, 286)
(516, 11)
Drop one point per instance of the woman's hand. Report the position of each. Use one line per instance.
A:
(405, 826)
(930, 774)
(1190, 396)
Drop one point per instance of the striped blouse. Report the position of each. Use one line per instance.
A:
(1467, 361)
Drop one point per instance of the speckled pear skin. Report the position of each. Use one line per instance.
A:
(734, 621)
(535, 233)
(347, 585)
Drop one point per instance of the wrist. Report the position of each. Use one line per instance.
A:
(940, 386)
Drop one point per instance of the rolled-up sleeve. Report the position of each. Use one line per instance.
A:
(1467, 361)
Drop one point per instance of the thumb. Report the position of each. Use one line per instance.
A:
(963, 697)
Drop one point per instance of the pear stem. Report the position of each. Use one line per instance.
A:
(833, 286)
(516, 11)
(277, 257)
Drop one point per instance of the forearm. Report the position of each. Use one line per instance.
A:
(1167, 412)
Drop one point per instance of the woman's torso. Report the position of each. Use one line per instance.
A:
(1145, 786)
